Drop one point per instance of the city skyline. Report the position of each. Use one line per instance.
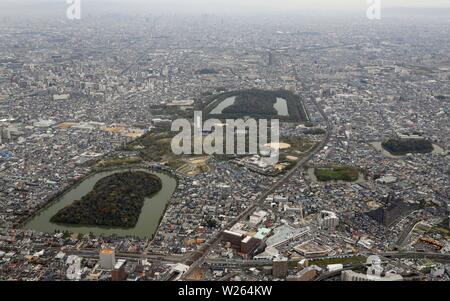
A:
(28, 7)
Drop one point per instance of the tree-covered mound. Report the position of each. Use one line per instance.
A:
(206, 71)
(337, 173)
(258, 104)
(115, 201)
(405, 146)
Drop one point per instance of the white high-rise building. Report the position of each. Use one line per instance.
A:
(328, 220)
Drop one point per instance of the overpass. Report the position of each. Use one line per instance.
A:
(417, 255)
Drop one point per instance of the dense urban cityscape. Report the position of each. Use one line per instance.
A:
(361, 190)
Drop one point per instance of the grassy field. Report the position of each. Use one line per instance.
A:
(156, 147)
(195, 166)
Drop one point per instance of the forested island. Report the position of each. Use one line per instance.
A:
(401, 147)
(115, 201)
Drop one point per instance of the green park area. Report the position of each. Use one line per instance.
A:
(119, 161)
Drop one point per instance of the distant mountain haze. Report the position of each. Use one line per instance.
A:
(30, 7)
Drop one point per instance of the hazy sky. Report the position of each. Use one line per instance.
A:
(216, 6)
(256, 3)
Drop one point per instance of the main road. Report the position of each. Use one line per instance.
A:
(198, 257)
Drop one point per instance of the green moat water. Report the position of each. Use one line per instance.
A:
(148, 222)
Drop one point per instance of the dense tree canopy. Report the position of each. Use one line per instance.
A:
(115, 201)
(259, 104)
(337, 173)
(404, 146)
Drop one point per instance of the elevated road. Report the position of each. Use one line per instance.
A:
(417, 255)
(131, 256)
